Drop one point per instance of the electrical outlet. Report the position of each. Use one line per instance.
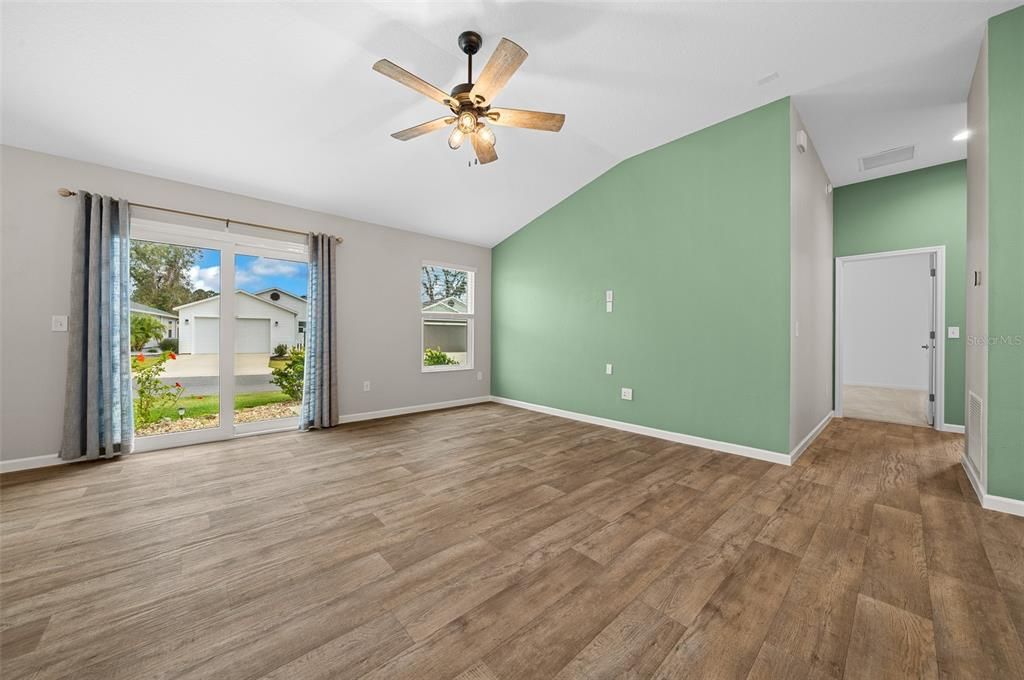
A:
(366, 386)
(607, 369)
(627, 393)
(59, 324)
(608, 307)
(479, 375)
(609, 296)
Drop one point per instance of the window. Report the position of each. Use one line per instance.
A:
(446, 304)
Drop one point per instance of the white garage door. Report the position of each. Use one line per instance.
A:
(252, 336)
(207, 336)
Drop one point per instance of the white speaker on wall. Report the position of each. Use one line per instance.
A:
(801, 141)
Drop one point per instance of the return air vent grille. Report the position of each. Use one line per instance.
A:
(975, 429)
(898, 155)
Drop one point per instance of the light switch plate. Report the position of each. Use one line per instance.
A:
(366, 386)
(607, 369)
(609, 296)
(608, 306)
(59, 323)
(953, 332)
(627, 393)
(479, 375)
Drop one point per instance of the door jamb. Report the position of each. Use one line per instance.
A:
(940, 324)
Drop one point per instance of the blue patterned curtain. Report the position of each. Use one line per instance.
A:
(98, 394)
(320, 375)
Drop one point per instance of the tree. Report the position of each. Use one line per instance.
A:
(145, 328)
(160, 275)
(439, 283)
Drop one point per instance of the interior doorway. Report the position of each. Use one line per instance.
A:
(889, 345)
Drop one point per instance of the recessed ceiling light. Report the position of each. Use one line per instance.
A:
(961, 136)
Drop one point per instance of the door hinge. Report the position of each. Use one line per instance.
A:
(933, 271)
(931, 334)
(931, 397)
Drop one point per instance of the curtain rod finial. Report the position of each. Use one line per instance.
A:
(65, 192)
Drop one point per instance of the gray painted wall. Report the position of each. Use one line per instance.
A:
(810, 215)
(379, 307)
(976, 318)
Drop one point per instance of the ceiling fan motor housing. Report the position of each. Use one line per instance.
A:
(470, 42)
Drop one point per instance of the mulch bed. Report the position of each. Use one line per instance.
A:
(255, 414)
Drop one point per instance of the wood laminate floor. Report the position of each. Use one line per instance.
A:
(490, 542)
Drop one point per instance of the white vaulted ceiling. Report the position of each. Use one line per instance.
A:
(278, 100)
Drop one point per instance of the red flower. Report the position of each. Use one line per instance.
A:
(178, 385)
(140, 358)
(173, 356)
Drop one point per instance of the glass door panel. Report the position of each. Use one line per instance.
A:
(270, 336)
(175, 335)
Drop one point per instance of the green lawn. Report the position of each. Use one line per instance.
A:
(196, 407)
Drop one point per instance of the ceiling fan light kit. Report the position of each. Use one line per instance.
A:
(471, 102)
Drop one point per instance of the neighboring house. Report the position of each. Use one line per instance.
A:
(449, 305)
(260, 325)
(449, 336)
(296, 303)
(167, 319)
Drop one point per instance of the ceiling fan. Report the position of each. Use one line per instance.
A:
(470, 103)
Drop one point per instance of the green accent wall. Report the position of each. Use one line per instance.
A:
(693, 237)
(1006, 255)
(915, 209)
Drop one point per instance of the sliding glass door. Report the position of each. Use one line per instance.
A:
(218, 331)
(270, 338)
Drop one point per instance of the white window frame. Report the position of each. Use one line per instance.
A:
(469, 317)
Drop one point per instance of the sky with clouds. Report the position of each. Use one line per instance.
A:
(252, 273)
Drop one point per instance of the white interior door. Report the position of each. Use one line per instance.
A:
(888, 319)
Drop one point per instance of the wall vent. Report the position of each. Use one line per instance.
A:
(897, 155)
(975, 429)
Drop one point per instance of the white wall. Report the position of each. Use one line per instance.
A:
(976, 320)
(379, 307)
(810, 366)
(886, 318)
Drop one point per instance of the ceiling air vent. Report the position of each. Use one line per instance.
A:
(897, 155)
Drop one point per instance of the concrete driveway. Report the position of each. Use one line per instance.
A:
(203, 365)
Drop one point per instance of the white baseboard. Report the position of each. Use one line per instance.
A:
(30, 463)
(946, 427)
(418, 408)
(811, 436)
(1011, 506)
(725, 447)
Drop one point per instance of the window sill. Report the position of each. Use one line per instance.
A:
(444, 369)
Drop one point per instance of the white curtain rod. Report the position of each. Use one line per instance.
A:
(66, 193)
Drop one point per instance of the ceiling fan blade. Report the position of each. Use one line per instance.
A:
(485, 152)
(534, 120)
(399, 74)
(507, 58)
(423, 128)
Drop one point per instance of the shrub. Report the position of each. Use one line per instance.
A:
(153, 395)
(169, 344)
(433, 356)
(143, 329)
(289, 376)
(280, 350)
